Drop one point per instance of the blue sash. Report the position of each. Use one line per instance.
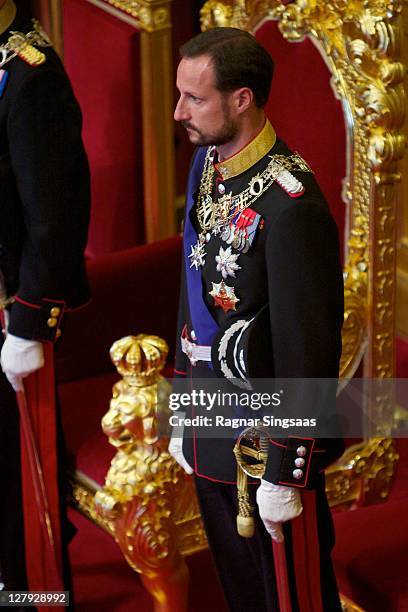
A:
(203, 323)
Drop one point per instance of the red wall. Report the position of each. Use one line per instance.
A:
(305, 113)
(102, 58)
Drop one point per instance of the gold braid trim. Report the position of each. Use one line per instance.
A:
(245, 519)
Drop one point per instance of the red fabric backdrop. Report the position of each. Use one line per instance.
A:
(305, 113)
(102, 57)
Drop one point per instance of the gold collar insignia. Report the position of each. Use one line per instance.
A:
(7, 15)
(247, 157)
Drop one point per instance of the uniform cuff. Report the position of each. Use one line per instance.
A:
(289, 462)
(37, 321)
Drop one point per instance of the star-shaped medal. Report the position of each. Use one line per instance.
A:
(227, 262)
(224, 296)
(197, 255)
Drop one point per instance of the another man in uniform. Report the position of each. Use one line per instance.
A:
(44, 216)
(261, 276)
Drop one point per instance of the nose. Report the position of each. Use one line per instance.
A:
(180, 112)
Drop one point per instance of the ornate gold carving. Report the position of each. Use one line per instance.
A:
(243, 14)
(139, 359)
(152, 14)
(363, 475)
(361, 44)
(82, 498)
(146, 493)
(354, 332)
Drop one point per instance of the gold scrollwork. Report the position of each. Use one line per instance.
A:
(151, 14)
(363, 475)
(147, 499)
(82, 498)
(243, 14)
(361, 43)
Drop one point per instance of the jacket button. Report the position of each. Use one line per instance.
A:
(299, 462)
(52, 322)
(301, 451)
(55, 311)
(297, 474)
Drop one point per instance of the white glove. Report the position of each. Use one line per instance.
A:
(19, 358)
(176, 448)
(277, 505)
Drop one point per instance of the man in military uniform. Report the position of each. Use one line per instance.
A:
(261, 295)
(44, 216)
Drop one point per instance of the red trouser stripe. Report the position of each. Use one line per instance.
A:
(281, 572)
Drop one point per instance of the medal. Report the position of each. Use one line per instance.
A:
(240, 233)
(231, 234)
(224, 296)
(224, 207)
(197, 255)
(230, 216)
(206, 213)
(227, 262)
(247, 222)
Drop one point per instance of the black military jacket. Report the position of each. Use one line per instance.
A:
(293, 270)
(44, 202)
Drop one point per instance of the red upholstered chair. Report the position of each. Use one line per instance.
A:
(370, 555)
(133, 290)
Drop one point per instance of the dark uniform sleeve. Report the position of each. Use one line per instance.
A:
(306, 314)
(52, 175)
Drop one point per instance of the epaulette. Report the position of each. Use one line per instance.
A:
(25, 46)
(284, 177)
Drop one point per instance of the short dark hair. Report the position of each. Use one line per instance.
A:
(239, 60)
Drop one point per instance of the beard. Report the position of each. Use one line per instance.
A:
(226, 132)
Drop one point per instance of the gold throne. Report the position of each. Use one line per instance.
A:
(147, 503)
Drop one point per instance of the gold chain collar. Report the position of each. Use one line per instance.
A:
(211, 214)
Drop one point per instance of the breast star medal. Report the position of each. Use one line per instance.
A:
(227, 262)
(224, 296)
(197, 255)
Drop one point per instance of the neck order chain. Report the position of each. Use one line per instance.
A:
(216, 217)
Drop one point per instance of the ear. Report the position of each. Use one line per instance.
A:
(243, 99)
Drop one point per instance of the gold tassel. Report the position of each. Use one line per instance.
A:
(245, 519)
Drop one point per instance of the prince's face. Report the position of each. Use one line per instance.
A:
(202, 109)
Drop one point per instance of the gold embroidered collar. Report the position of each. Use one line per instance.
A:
(7, 15)
(247, 157)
